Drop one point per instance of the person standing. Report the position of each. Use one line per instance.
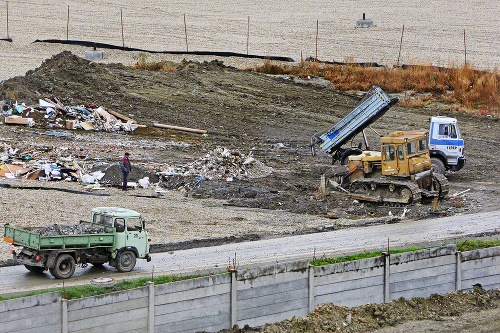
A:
(126, 167)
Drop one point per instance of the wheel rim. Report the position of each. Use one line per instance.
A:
(126, 259)
(65, 266)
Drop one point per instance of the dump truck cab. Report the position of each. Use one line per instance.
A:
(446, 145)
(129, 229)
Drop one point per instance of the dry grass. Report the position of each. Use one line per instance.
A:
(162, 66)
(461, 88)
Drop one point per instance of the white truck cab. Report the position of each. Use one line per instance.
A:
(446, 145)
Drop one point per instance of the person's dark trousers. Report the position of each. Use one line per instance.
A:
(125, 180)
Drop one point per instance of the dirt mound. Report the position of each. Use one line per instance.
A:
(113, 174)
(368, 318)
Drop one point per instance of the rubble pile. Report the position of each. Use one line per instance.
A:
(70, 229)
(49, 163)
(53, 114)
(221, 163)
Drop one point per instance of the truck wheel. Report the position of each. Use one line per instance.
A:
(125, 261)
(65, 266)
(35, 269)
(437, 165)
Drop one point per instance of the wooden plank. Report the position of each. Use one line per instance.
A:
(118, 115)
(178, 128)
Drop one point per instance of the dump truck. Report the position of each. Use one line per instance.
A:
(114, 235)
(402, 172)
(446, 145)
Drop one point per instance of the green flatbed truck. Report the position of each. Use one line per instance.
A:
(118, 237)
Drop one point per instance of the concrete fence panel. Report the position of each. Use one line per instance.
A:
(40, 313)
(201, 304)
(481, 266)
(350, 283)
(123, 311)
(422, 273)
(272, 293)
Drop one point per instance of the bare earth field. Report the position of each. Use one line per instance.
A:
(433, 30)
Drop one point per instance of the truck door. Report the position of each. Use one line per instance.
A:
(136, 236)
(389, 160)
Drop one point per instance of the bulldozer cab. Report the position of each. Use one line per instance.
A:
(404, 153)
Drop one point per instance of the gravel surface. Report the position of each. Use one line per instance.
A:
(433, 30)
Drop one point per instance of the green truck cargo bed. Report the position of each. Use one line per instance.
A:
(35, 241)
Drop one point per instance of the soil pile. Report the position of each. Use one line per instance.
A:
(371, 317)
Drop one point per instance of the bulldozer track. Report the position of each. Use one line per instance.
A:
(386, 191)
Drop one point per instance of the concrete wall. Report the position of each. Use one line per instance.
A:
(481, 266)
(423, 272)
(123, 311)
(272, 293)
(201, 304)
(256, 296)
(29, 314)
(350, 283)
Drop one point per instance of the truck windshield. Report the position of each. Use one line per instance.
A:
(448, 130)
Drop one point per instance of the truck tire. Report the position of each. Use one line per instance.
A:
(125, 262)
(35, 269)
(437, 165)
(64, 267)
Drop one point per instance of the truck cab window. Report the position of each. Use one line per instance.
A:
(389, 153)
(411, 148)
(453, 132)
(422, 145)
(102, 219)
(401, 155)
(120, 225)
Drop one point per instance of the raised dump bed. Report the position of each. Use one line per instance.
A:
(373, 105)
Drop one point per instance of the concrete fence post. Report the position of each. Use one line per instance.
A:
(234, 299)
(64, 315)
(151, 306)
(311, 287)
(387, 276)
(458, 275)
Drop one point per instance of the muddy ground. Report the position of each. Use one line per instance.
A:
(270, 117)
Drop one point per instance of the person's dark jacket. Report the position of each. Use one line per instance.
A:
(125, 165)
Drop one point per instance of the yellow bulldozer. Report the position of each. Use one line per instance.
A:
(401, 172)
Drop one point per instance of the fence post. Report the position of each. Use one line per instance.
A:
(64, 314)
(311, 287)
(458, 276)
(151, 306)
(387, 276)
(234, 298)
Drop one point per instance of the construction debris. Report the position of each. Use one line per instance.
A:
(221, 163)
(57, 115)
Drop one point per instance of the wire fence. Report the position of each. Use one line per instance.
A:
(433, 34)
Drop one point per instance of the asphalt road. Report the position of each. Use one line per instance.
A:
(17, 279)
